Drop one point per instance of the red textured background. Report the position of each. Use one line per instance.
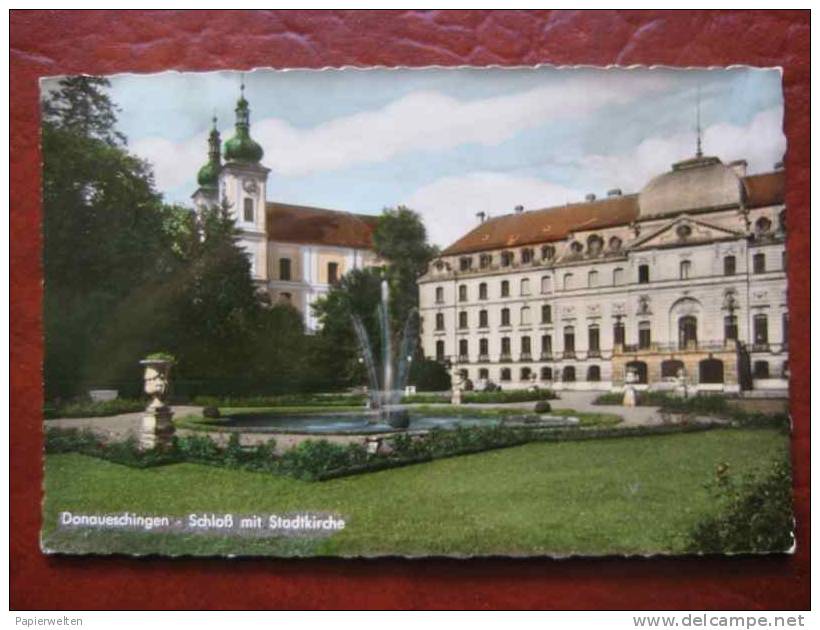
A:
(99, 42)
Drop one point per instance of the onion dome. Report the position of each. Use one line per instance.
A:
(208, 176)
(242, 148)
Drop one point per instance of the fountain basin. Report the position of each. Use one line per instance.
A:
(348, 423)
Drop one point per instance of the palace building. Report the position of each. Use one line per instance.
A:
(686, 278)
(296, 252)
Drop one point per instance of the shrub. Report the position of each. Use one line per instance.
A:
(93, 409)
(310, 459)
(211, 413)
(429, 376)
(285, 400)
(542, 406)
(197, 447)
(515, 395)
(755, 513)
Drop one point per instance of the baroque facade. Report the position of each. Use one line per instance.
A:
(296, 253)
(685, 279)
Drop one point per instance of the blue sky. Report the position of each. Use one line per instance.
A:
(453, 142)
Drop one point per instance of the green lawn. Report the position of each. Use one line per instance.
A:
(627, 495)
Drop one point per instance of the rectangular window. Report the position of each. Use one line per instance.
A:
(730, 327)
(594, 339)
(248, 210)
(761, 330)
(644, 335)
(505, 317)
(526, 348)
(759, 263)
(785, 321)
(569, 340)
(546, 314)
(482, 319)
(332, 272)
(505, 288)
(284, 268)
(643, 274)
(462, 319)
(546, 345)
(505, 346)
(729, 266)
(483, 347)
(618, 333)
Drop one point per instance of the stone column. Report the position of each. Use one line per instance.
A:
(157, 430)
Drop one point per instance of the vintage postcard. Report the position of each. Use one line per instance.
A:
(411, 312)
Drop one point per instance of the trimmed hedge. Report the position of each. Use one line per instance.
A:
(91, 409)
(514, 395)
(285, 400)
(316, 460)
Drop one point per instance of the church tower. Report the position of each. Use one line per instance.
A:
(242, 186)
(207, 195)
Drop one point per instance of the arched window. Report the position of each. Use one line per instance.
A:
(729, 266)
(439, 295)
(567, 281)
(763, 225)
(594, 373)
(546, 373)
(615, 244)
(525, 316)
(526, 255)
(594, 245)
(568, 374)
(505, 288)
(483, 349)
(640, 370)
(462, 293)
(617, 276)
(462, 319)
(439, 321)
(483, 319)
(592, 279)
(685, 269)
(526, 373)
(483, 374)
(506, 374)
(482, 291)
(284, 269)
(547, 252)
(505, 317)
(710, 371)
(463, 351)
(525, 286)
(439, 350)
(670, 368)
(546, 347)
(546, 284)
(575, 247)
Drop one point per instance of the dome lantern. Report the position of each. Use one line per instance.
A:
(242, 148)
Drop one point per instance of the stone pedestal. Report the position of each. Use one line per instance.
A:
(157, 430)
(455, 399)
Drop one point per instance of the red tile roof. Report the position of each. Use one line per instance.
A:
(765, 189)
(549, 224)
(319, 226)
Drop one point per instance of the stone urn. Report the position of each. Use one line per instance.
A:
(157, 426)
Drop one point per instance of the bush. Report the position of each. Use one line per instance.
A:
(755, 513)
(429, 376)
(542, 406)
(311, 458)
(515, 395)
(89, 409)
(211, 413)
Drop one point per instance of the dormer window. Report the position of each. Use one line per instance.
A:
(576, 247)
(595, 244)
(763, 225)
(485, 260)
(615, 244)
(506, 259)
(526, 255)
(547, 252)
(465, 263)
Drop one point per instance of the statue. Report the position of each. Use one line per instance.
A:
(630, 398)
(458, 383)
(157, 426)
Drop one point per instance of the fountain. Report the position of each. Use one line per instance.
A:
(385, 394)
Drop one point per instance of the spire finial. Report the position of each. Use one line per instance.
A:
(699, 152)
(242, 85)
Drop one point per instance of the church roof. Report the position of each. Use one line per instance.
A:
(306, 225)
(556, 223)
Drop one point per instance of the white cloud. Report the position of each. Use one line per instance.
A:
(418, 121)
(761, 142)
(449, 205)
